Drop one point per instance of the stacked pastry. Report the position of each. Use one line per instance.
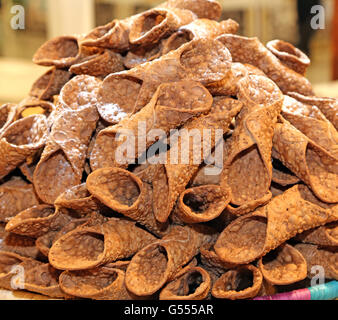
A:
(96, 203)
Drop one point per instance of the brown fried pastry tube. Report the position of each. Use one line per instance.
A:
(13, 268)
(328, 106)
(16, 195)
(209, 9)
(60, 52)
(126, 193)
(45, 242)
(87, 247)
(281, 174)
(253, 235)
(324, 257)
(284, 265)
(172, 105)
(102, 283)
(99, 65)
(202, 204)
(193, 284)
(7, 115)
(289, 55)
(311, 122)
(31, 106)
(44, 279)
(22, 139)
(49, 84)
(200, 28)
(22, 245)
(323, 236)
(252, 51)
(309, 161)
(155, 24)
(243, 282)
(156, 264)
(78, 198)
(176, 173)
(126, 92)
(247, 167)
(37, 220)
(62, 162)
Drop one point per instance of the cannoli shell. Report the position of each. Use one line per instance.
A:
(253, 235)
(175, 175)
(157, 263)
(236, 283)
(37, 220)
(323, 236)
(324, 257)
(9, 261)
(283, 266)
(16, 196)
(309, 161)
(281, 174)
(7, 115)
(247, 169)
(49, 84)
(22, 139)
(289, 55)
(87, 247)
(102, 283)
(252, 51)
(328, 106)
(172, 105)
(194, 284)
(44, 279)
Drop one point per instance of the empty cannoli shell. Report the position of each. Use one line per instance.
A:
(32, 106)
(99, 65)
(176, 173)
(87, 247)
(309, 161)
(126, 92)
(45, 242)
(284, 265)
(44, 279)
(157, 263)
(323, 236)
(198, 28)
(252, 51)
(22, 139)
(311, 122)
(38, 220)
(193, 284)
(60, 52)
(66, 147)
(209, 9)
(125, 193)
(155, 24)
(243, 282)
(49, 84)
(289, 55)
(173, 104)
(102, 283)
(315, 256)
(13, 268)
(78, 198)
(281, 174)
(202, 204)
(251, 236)
(328, 106)
(7, 115)
(16, 196)
(22, 245)
(247, 167)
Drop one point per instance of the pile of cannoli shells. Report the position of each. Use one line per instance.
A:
(79, 223)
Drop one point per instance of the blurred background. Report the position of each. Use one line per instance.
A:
(278, 19)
